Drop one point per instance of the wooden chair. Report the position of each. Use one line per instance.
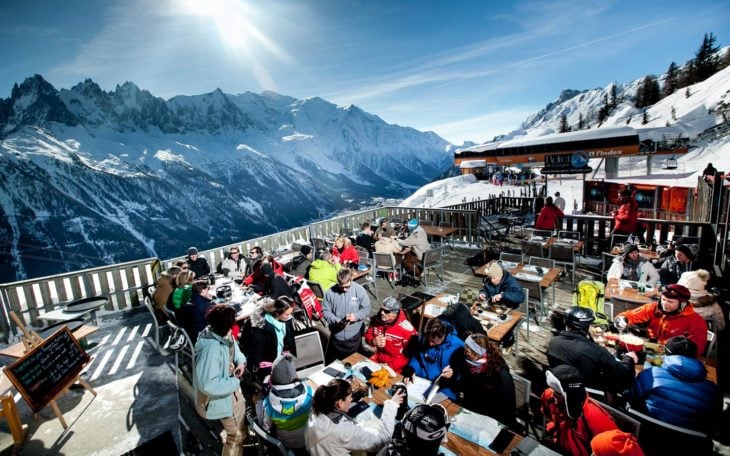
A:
(9, 411)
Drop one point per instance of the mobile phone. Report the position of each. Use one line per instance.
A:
(357, 408)
(332, 372)
(502, 441)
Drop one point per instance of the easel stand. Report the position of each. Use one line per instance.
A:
(31, 340)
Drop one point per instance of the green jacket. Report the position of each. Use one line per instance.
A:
(324, 273)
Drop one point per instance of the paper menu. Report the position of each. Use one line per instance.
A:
(420, 388)
(433, 310)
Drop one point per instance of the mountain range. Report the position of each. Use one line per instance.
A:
(90, 177)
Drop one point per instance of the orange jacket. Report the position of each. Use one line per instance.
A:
(686, 323)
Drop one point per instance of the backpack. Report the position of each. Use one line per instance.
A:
(309, 300)
(589, 293)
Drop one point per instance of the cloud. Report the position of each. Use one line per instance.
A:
(482, 128)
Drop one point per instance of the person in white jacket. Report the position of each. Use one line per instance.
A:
(631, 265)
(332, 432)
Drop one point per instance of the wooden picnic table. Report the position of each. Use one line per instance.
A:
(18, 350)
(547, 279)
(613, 288)
(577, 246)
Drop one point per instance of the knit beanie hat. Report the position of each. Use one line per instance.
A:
(391, 304)
(192, 251)
(629, 247)
(690, 250)
(283, 371)
(305, 250)
(695, 282)
(494, 270)
(615, 443)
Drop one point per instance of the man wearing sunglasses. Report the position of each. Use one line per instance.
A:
(234, 265)
(345, 308)
(389, 333)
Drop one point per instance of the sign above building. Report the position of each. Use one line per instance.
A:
(575, 163)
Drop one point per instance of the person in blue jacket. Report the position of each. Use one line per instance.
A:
(678, 393)
(500, 288)
(435, 352)
(219, 365)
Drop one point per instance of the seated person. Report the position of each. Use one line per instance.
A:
(324, 271)
(331, 431)
(388, 245)
(366, 238)
(433, 354)
(234, 265)
(276, 285)
(258, 279)
(500, 288)
(631, 265)
(615, 443)
(163, 289)
(196, 263)
(672, 316)
(678, 392)
(201, 301)
(255, 256)
(268, 333)
(285, 410)
(575, 347)
(417, 240)
(389, 332)
(549, 216)
(486, 383)
(684, 260)
(183, 291)
(384, 230)
(705, 303)
(343, 252)
(303, 262)
(459, 314)
(421, 432)
(572, 419)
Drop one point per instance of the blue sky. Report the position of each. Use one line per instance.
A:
(467, 70)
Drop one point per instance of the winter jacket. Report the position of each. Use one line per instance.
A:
(258, 279)
(386, 232)
(163, 290)
(548, 217)
(258, 341)
(347, 255)
(464, 323)
(428, 362)
(234, 269)
(626, 217)
(599, 368)
(678, 393)
(397, 334)
(492, 395)
(335, 434)
(199, 266)
(418, 239)
(387, 245)
(301, 268)
(337, 305)
(662, 327)
(512, 292)
(324, 273)
(619, 270)
(366, 241)
(672, 270)
(180, 295)
(201, 304)
(573, 436)
(285, 412)
(708, 308)
(278, 287)
(213, 378)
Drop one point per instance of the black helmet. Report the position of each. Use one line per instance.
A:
(579, 318)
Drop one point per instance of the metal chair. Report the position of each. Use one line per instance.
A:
(624, 422)
(564, 254)
(187, 348)
(618, 239)
(532, 249)
(157, 328)
(448, 240)
(511, 257)
(525, 309)
(574, 235)
(320, 245)
(432, 259)
(385, 263)
(491, 232)
(542, 262)
(317, 289)
(658, 437)
(711, 348)
(619, 305)
(522, 402)
(267, 444)
(545, 234)
(536, 297)
(368, 280)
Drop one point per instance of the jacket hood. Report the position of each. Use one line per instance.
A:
(320, 426)
(320, 264)
(685, 368)
(257, 316)
(703, 301)
(208, 337)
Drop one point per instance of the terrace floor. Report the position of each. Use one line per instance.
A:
(138, 402)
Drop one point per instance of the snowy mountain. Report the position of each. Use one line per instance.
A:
(89, 177)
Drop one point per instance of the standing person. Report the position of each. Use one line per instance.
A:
(345, 308)
(632, 265)
(572, 419)
(626, 217)
(433, 355)
(486, 383)
(559, 202)
(421, 432)
(672, 316)
(285, 410)
(197, 264)
(549, 216)
(331, 432)
(575, 347)
(219, 366)
(389, 332)
(234, 266)
(709, 173)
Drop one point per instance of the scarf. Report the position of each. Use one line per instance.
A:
(631, 269)
(279, 329)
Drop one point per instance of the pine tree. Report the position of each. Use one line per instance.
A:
(648, 92)
(614, 101)
(706, 60)
(670, 81)
(564, 128)
(725, 60)
(674, 113)
(581, 122)
(644, 118)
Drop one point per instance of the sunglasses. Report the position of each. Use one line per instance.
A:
(234, 252)
(386, 311)
(184, 269)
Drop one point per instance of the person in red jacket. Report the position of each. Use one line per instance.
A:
(673, 316)
(549, 215)
(626, 217)
(344, 252)
(259, 278)
(572, 419)
(389, 332)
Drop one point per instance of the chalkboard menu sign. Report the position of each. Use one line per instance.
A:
(48, 368)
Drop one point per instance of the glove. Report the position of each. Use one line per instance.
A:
(621, 323)
(408, 371)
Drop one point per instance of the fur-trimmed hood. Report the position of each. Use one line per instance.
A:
(257, 316)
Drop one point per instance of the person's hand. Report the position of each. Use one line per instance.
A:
(621, 323)
(408, 372)
(497, 298)
(379, 341)
(448, 372)
(482, 297)
(399, 397)
(351, 317)
(633, 356)
(238, 371)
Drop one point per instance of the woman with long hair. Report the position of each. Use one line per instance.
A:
(344, 252)
(332, 431)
